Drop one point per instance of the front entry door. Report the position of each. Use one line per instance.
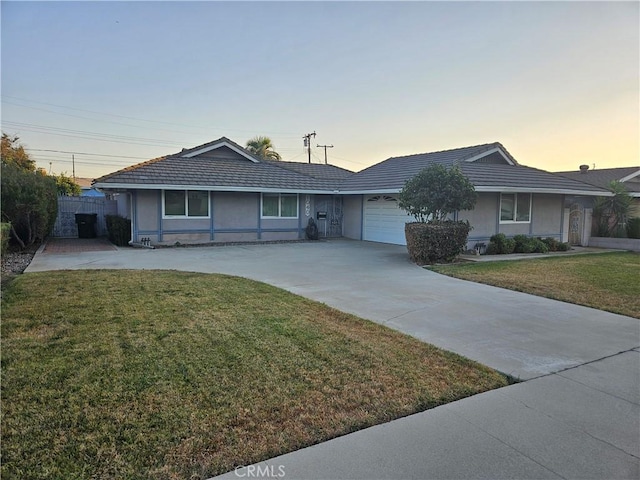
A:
(329, 225)
(575, 224)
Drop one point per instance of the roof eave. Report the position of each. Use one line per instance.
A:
(213, 188)
(561, 191)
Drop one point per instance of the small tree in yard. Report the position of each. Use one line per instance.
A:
(431, 197)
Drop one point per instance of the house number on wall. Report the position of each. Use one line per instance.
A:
(307, 205)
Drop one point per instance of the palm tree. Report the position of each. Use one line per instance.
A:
(263, 148)
(611, 213)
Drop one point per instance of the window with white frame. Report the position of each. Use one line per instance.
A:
(185, 203)
(515, 207)
(279, 205)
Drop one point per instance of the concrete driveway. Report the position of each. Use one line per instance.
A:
(577, 416)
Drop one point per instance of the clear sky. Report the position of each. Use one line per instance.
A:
(556, 83)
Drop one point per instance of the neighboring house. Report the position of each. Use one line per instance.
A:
(86, 187)
(219, 192)
(602, 177)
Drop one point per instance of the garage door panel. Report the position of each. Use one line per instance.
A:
(384, 221)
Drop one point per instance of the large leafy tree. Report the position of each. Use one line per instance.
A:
(263, 147)
(29, 197)
(435, 192)
(13, 153)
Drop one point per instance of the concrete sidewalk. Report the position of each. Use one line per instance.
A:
(575, 417)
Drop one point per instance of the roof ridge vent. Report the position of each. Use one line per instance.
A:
(584, 168)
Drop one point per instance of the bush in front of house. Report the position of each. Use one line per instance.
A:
(526, 244)
(431, 197)
(5, 231)
(556, 245)
(499, 244)
(633, 228)
(436, 242)
(118, 229)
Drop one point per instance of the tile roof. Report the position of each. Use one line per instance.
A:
(225, 165)
(491, 172)
(604, 176)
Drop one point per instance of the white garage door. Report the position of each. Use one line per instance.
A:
(384, 220)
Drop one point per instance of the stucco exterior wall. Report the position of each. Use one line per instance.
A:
(147, 204)
(233, 217)
(547, 216)
(352, 208)
(483, 218)
(235, 210)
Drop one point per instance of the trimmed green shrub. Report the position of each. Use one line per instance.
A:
(5, 232)
(436, 242)
(633, 228)
(119, 230)
(551, 243)
(526, 244)
(501, 244)
(436, 192)
(555, 245)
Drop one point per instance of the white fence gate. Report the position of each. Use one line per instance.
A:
(68, 207)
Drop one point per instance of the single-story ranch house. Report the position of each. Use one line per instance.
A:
(220, 192)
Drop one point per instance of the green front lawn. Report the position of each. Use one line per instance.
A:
(606, 281)
(155, 374)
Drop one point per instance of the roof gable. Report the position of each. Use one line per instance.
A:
(222, 142)
(392, 173)
(490, 167)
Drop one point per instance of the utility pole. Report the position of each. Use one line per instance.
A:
(73, 163)
(50, 164)
(325, 151)
(307, 142)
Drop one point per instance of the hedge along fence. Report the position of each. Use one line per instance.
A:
(5, 233)
(119, 230)
(436, 242)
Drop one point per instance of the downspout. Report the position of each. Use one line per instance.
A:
(131, 215)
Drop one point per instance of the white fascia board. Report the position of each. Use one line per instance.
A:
(210, 188)
(630, 176)
(218, 145)
(368, 192)
(561, 191)
(489, 152)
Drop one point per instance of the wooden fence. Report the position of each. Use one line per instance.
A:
(68, 207)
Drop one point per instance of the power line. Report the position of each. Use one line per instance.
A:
(93, 135)
(209, 128)
(84, 153)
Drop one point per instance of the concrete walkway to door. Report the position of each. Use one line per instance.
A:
(577, 416)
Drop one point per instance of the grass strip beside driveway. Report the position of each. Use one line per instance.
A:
(156, 374)
(606, 281)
